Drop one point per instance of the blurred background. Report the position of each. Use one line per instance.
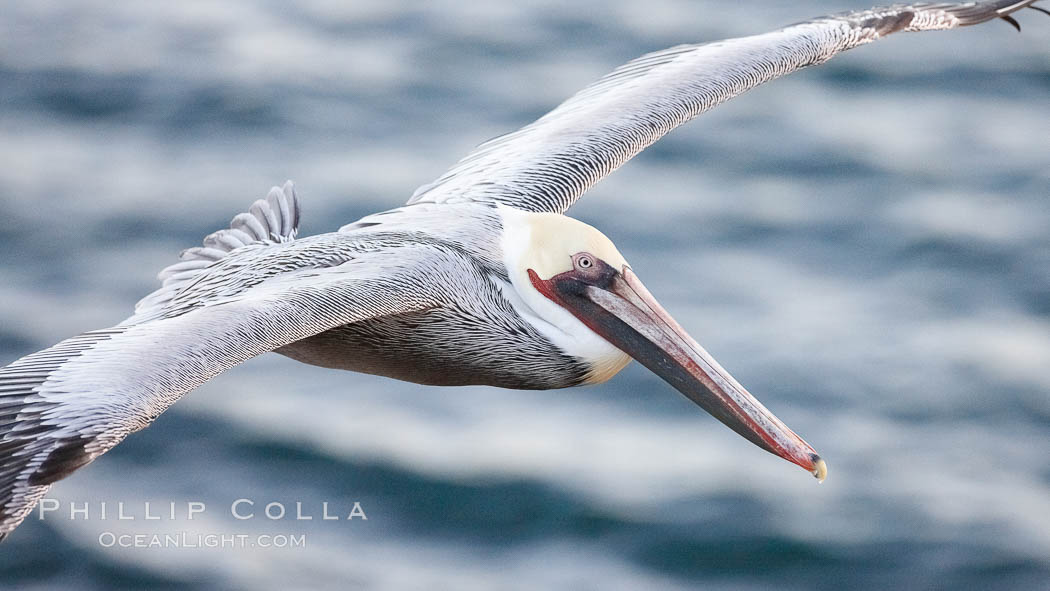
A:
(864, 245)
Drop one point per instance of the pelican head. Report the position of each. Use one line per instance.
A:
(581, 293)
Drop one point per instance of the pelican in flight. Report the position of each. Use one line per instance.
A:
(479, 279)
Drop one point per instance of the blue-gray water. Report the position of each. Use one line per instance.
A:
(864, 245)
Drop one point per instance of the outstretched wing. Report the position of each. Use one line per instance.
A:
(62, 407)
(549, 164)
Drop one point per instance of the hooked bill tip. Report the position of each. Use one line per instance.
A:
(820, 470)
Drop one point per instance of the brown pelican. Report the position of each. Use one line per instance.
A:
(479, 279)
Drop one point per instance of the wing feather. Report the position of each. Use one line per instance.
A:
(63, 407)
(549, 164)
(273, 220)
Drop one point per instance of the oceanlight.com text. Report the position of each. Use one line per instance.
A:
(108, 539)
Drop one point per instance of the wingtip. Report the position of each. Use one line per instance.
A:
(1013, 22)
(1040, 9)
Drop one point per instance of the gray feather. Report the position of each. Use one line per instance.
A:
(270, 221)
(549, 164)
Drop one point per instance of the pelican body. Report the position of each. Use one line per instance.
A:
(479, 279)
(477, 326)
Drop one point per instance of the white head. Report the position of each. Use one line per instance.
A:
(549, 244)
(576, 288)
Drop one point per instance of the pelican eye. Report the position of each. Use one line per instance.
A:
(584, 261)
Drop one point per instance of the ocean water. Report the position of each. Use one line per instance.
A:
(864, 245)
